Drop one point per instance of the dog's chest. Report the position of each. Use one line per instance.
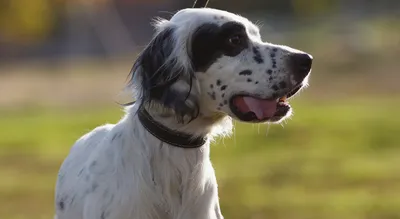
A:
(175, 177)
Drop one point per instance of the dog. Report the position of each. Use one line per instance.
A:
(203, 68)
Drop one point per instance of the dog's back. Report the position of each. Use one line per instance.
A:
(73, 172)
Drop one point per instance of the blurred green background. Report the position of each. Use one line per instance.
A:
(64, 64)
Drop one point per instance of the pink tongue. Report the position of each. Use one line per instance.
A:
(261, 108)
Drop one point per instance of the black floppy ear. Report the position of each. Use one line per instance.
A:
(162, 78)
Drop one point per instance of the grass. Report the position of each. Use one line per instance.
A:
(331, 160)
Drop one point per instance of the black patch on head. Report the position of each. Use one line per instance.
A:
(218, 82)
(158, 71)
(224, 87)
(249, 80)
(257, 56)
(210, 42)
(269, 71)
(282, 84)
(275, 87)
(212, 95)
(245, 72)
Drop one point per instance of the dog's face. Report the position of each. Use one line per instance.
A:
(207, 61)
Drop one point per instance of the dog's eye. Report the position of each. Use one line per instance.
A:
(235, 40)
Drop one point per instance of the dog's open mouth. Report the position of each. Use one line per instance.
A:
(249, 108)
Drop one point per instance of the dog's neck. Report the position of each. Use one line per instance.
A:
(202, 126)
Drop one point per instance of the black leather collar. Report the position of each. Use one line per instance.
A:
(175, 138)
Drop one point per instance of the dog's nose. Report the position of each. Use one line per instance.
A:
(301, 65)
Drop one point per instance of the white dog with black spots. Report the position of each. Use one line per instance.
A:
(202, 68)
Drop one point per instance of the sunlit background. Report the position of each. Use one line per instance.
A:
(64, 65)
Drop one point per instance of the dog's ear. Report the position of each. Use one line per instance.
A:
(163, 74)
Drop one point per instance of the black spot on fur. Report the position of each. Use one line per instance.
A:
(212, 95)
(269, 71)
(115, 136)
(224, 87)
(257, 56)
(221, 104)
(256, 82)
(225, 102)
(218, 82)
(272, 55)
(249, 80)
(223, 95)
(80, 172)
(270, 78)
(275, 49)
(245, 72)
(275, 87)
(61, 205)
(282, 84)
(211, 86)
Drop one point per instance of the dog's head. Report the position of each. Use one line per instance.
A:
(207, 61)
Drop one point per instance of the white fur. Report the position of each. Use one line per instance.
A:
(121, 171)
(135, 176)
